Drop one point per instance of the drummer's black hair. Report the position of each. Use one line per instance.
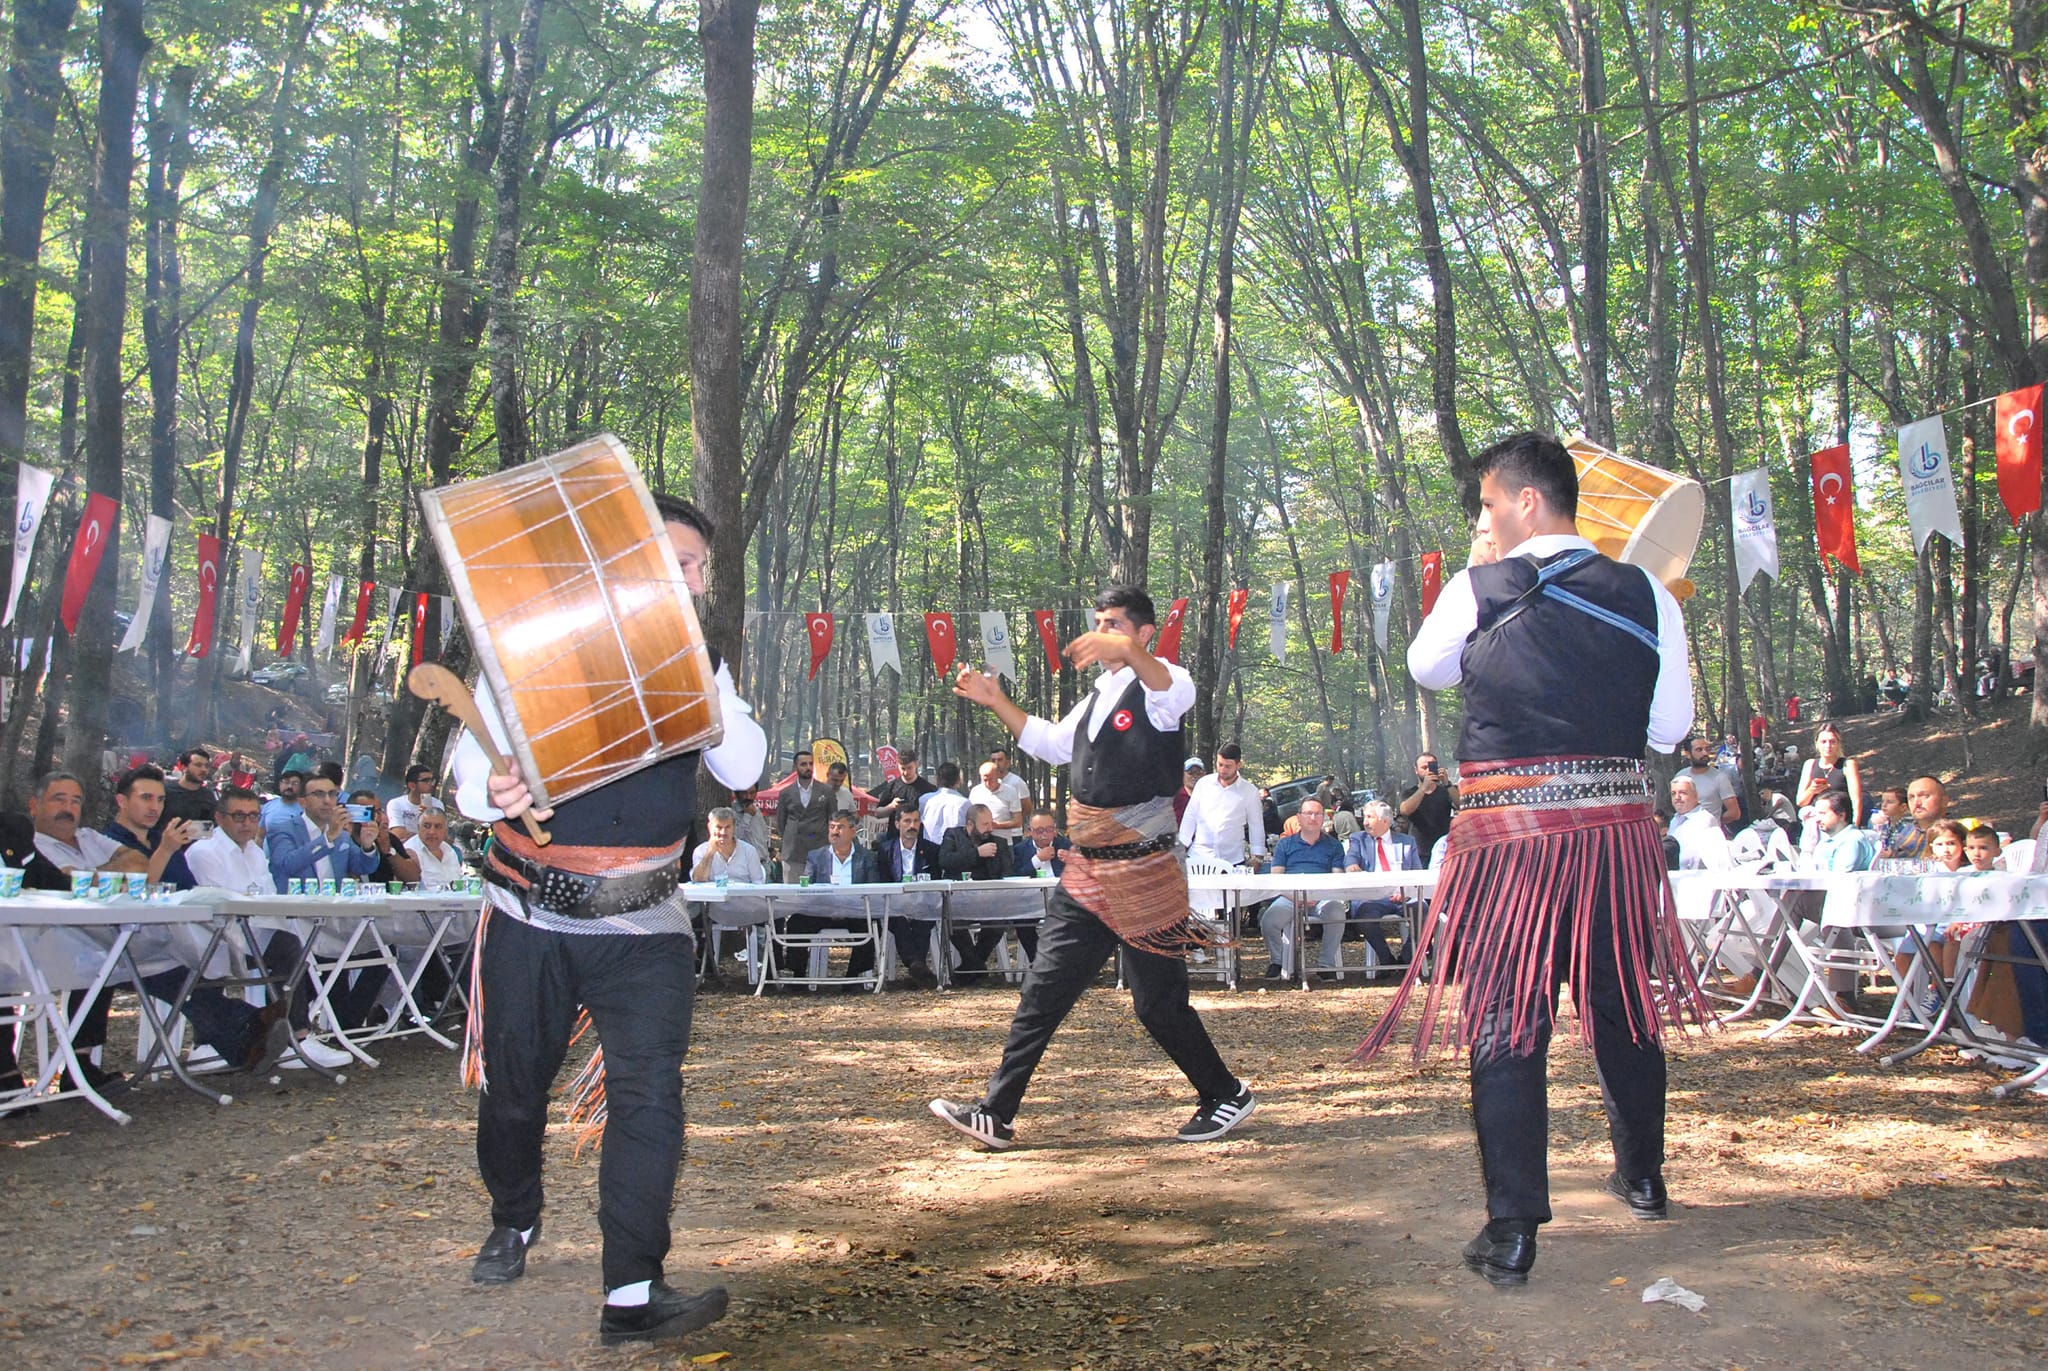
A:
(1135, 603)
(1529, 459)
(674, 509)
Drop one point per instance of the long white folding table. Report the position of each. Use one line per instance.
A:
(1242, 887)
(57, 945)
(756, 907)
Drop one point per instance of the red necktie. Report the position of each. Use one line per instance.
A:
(1385, 864)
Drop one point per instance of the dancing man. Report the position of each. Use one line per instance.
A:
(597, 920)
(1122, 886)
(1568, 662)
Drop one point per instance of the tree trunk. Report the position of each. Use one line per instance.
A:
(501, 262)
(170, 150)
(28, 125)
(122, 45)
(1596, 399)
(726, 30)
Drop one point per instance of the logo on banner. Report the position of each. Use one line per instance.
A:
(1925, 462)
(1754, 510)
(995, 635)
(30, 511)
(153, 565)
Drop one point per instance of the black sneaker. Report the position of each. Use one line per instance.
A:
(1217, 1117)
(502, 1258)
(667, 1314)
(1274, 973)
(977, 1123)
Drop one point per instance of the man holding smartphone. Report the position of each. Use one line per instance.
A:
(1427, 804)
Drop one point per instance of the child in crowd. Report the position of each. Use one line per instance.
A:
(1892, 820)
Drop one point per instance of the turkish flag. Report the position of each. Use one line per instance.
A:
(201, 641)
(1340, 581)
(1432, 580)
(361, 622)
(1169, 632)
(938, 631)
(419, 627)
(88, 545)
(1237, 603)
(2019, 451)
(1834, 513)
(1049, 637)
(820, 628)
(294, 601)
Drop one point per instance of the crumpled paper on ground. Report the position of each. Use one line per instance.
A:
(1671, 1292)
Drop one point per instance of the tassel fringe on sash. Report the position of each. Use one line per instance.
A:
(1530, 841)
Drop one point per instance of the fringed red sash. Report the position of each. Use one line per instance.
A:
(1144, 898)
(1530, 838)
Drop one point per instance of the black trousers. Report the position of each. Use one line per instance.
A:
(1072, 946)
(638, 989)
(1510, 1098)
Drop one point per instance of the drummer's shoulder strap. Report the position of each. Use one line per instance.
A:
(1547, 585)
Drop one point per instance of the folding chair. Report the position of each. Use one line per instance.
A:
(1217, 916)
(785, 949)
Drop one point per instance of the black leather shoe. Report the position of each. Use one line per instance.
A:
(1501, 1255)
(1645, 1198)
(502, 1258)
(102, 1081)
(667, 1314)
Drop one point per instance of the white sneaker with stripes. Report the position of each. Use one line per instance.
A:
(1217, 1117)
(977, 1123)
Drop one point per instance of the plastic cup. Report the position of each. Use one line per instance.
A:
(295, 885)
(138, 885)
(107, 885)
(81, 885)
(348, 887)
(328, 890)
(10, 882)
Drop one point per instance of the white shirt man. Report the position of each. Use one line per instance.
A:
(402, 814)
(1701, 843)
(945, 807)
(724, 854)
(1224, 819)
(439, 869)
(1008, 818)
(1714, 785)
(89, 850)
(232, 856)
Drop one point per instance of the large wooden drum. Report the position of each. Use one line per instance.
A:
(582, 625)
(1639, 514)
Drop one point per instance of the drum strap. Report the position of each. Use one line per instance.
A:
(1546, 576)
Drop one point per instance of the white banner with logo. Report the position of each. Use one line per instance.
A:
(1756, 527)
(252, 592)
(882, 644)
(330, 606)
(31, 502)
(1382, 602)
(156, 546)
(1276, 618)
(1930, 490)
(996, 652)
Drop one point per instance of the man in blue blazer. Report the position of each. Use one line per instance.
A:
(1376, 847)
(901, 856)
(841, 861)
(1040, 849)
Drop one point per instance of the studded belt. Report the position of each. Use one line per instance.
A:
(1123, 852)
(571, 895)
(1551, 783)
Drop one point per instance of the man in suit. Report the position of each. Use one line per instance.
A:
(1376, 847)
(841, 861)
(1039, 851)
(974, 851)
(903, 855)
(802, 812)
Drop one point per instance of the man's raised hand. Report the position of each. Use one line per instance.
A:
(1110, 650)
(980, 687)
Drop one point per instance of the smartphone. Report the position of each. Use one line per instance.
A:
(196, 829)
(361, 814)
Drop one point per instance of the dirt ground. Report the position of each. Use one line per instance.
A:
(1830, 1210)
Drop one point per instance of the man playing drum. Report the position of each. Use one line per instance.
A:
(1568, 662)
(597, 920)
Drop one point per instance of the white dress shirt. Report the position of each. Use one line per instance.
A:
(744, 865)
(1218, 816)
(939, 811)
(1000, 809)
(1054, 742)
(1434, 656)
(437, 873)
(736, 761)
(220, 862)
(842, 867)
(92, 851)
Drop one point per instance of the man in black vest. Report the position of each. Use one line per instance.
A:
(597, 920)
(1568, 663)
(1122, 886)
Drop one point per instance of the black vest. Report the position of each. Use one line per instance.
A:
(1129, 761)
(1545, 679)
(652, 807)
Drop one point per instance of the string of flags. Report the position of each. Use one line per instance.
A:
(1924, 471)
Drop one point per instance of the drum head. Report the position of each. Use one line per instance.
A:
(582, 624)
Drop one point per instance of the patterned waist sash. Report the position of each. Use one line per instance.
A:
(1122, 870)
(1538, 846)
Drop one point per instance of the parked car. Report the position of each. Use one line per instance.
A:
(338, 692)
(1288, 795)
(278, 674)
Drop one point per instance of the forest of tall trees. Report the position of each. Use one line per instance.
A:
(972, 307)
